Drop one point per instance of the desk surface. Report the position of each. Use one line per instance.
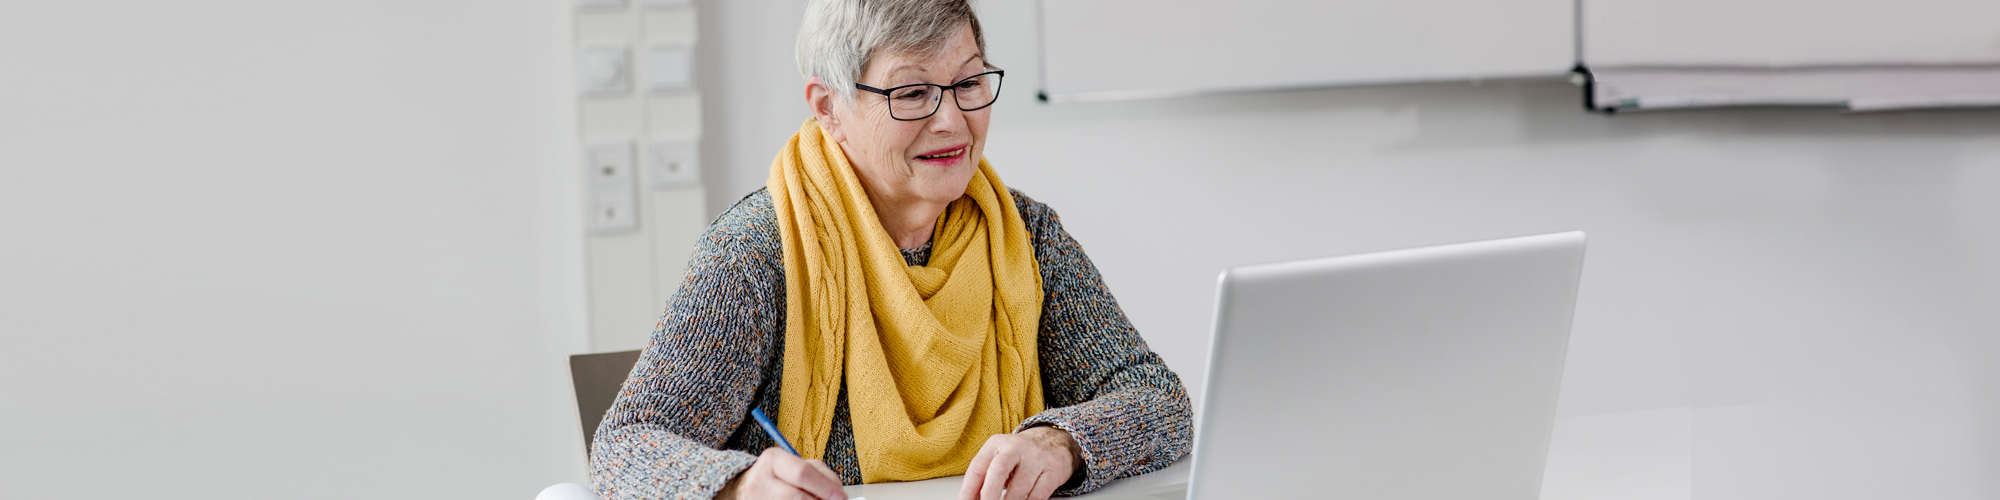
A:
(1164, 484)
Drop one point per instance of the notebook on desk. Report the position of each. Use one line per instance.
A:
(1426, 373)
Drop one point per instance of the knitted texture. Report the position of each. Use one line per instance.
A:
(680, 427)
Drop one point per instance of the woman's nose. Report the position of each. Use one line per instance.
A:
(948, 117)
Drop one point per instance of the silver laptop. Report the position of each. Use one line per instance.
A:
(1427, 373)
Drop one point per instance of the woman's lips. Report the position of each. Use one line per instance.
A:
(946, 157)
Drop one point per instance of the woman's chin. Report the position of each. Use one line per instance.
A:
(946, 189)
(944, 193)
(943, 183)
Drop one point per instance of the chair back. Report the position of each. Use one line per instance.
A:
(597, 379)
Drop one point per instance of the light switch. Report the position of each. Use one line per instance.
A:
(673, 163)
(613, 207)
(600, 4)
(669, 67)
(604, 70)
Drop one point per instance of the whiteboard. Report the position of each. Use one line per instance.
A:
(1125, 49)
(1790, 33)
(1858, 54)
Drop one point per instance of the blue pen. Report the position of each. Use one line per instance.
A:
(771, 429)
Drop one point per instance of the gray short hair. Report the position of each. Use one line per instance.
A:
(839, 37)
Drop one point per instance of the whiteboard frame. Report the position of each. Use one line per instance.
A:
(1043, 95)
(1858, 88)
(1151, 94)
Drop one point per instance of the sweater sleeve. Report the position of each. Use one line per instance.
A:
(693, 385)
(1102, 384)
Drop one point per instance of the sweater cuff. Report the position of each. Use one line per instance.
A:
(677, 469)
(1104, 451)
(730, 464)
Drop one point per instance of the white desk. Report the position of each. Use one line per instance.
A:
(1643, 455)
(1164, 484)
(1638, 455)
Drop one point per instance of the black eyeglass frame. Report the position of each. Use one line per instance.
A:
(938, 102)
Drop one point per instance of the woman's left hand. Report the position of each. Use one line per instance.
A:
(1028, 465)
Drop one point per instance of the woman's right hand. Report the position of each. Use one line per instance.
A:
(780, 475)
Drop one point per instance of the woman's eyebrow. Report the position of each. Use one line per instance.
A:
(898, 72)
(920, 69)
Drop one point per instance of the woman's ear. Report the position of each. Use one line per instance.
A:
(822, 101)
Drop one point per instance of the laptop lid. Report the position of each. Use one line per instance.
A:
(1426, 373)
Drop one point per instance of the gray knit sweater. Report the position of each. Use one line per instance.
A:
(680, 428)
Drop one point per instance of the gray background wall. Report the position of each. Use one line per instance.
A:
(287, 249)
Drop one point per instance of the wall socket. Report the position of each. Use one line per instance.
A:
(614, 207)
(673, 163)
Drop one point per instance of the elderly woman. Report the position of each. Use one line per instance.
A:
(900, 312)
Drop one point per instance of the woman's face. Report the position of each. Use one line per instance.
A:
(929, 160)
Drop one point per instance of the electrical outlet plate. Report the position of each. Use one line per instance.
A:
(613, 212)
(669, 67)
(613, 207)
(673, 163)
(604, 70)
(610, 164)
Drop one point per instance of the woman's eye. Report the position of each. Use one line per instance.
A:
(911, 94)
(970, 84)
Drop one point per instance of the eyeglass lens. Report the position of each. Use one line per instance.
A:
(916, 102)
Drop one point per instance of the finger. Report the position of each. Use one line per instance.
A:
(777, 489)
(767, 470)
(975, 472)
(1022, 481)
(1003, 467)
(762, 480)
(1046, 484)
(820, 482)
(830, 488)
(824, 469)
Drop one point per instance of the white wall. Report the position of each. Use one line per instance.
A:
(1777, 303)
(334, 249)
(287, 249)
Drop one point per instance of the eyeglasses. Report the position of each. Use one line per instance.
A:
(921, 100)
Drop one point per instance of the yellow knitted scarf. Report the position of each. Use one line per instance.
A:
(937, 357)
